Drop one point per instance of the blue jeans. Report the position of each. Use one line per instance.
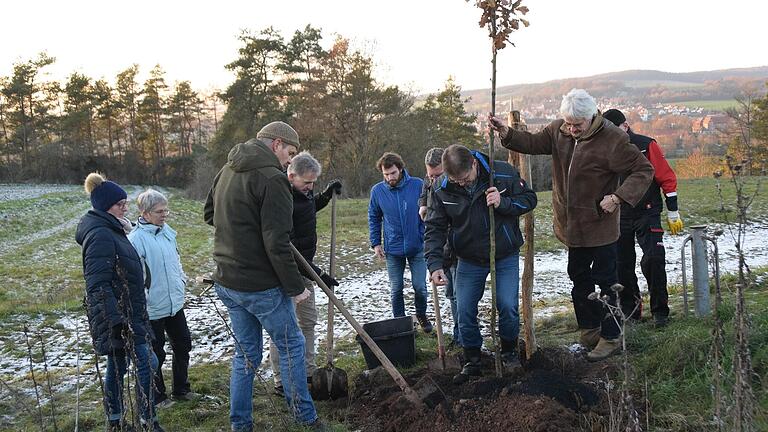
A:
(450, 291)
(396, 269)
(470, 285)
(273, 311)
(117, 366)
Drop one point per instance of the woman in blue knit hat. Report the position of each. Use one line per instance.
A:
(115, 302)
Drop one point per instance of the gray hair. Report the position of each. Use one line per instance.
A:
(303, 164)
(149, 199)
(434, 157)
(578, 104)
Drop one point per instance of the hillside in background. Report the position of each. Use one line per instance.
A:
(631, 86)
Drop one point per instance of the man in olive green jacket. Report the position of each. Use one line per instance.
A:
(250, 207)
(588, 155)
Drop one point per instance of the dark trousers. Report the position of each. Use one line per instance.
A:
(181, 343)
(587, 267)
(647, 229)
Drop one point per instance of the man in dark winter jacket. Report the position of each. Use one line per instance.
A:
(433, 163)
(459, 206)
(395, 205)
(644, 222)
(302, 174)
(250, 207)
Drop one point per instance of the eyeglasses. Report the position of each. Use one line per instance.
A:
(122, 203)
(161, 212)
(461, 181)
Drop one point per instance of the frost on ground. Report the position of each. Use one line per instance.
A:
(10, 192)
(365, 295)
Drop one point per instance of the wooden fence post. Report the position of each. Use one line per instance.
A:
(523, 163)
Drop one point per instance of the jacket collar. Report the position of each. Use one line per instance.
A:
(402, 181)
(594, 127)
(154, 229)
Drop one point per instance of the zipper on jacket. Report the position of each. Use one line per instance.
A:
(570, 164)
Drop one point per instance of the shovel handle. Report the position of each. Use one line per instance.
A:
(332, 273)
(439, 326)
(388, 366)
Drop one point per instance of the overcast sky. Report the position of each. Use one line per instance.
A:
(416, 44)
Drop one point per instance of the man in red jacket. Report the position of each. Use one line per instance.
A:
(644, 222)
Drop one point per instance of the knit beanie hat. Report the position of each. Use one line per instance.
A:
(615, 116)
(282, 130)
(104, 193)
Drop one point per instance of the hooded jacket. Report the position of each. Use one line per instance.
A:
(464, 218)
(584, 170)
(114, 293)
(250, 207)
(164, 279)
(398, 208)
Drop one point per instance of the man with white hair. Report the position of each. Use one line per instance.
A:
(589, 154)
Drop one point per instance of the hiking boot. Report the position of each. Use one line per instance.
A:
(660, 321)
(424, 323)
(604, 349)
(187, 397)
(589, 337)
(165, 403)
(116, 426)
(471, 368)
(509, 356)
(318, 426)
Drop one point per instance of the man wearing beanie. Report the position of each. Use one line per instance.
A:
(250, 207)
(644, 222)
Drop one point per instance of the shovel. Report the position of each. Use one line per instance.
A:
(330, 382)
(426, 391)
(439, 328)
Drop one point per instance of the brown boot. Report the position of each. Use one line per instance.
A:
(604, 349)
(589, 337)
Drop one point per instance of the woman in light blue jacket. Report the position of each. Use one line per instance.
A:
(164, 282)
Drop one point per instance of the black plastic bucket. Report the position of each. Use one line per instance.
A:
(396, 337)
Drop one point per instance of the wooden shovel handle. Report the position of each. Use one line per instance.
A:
(332, 273)
(438, 326)
(388, 366)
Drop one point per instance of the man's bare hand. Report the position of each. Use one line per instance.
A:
(438, 277)
(423, 212)
(492, 197)
(301, 297)
(378, 251)
(497, 124)
(610, 203)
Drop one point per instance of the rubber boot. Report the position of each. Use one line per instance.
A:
(589, 337)
(471, 367)
(604, 349)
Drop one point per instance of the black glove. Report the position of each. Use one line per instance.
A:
(118, 330)
(333, 186)
(328, 280)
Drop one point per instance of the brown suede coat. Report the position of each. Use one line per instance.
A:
(584, 170)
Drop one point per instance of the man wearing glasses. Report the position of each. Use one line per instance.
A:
(589, 154)
(459, 213)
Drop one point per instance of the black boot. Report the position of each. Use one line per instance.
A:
(471, 367)
(509, 356)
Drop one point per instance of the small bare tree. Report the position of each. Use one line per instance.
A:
(500, 18)
(741, 164)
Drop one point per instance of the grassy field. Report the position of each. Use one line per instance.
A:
(43, 275)
(714, 105)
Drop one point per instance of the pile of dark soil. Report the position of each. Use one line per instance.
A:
(555, 392)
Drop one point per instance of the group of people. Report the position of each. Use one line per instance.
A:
(135, 288)
(606, 192)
